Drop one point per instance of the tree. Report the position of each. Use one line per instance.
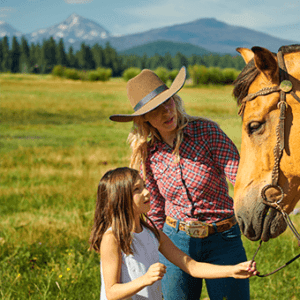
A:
(6, 59)
(72, 59)
(1, 55)
(98, 55)
(85, 58)
(179, 61)
(35, 58)
(24, 64)
(61, 57)
(112, 60)
(168, 62)
(48, 55)
(15, 56)
(155, 61)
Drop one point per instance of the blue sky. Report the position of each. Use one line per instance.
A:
(278, 18)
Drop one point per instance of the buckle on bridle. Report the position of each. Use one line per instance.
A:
(196, 229)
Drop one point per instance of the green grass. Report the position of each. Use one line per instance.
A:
(55, 144)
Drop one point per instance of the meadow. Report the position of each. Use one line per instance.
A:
(56, 142)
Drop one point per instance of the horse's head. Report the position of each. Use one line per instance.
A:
(259, 137)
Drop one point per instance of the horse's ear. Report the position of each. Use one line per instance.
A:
(246, 53)
(266, 63)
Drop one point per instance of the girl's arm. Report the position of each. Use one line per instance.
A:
(111, 262)
(157, 212)
(202, 270)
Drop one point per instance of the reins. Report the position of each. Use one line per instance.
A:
(284, 87)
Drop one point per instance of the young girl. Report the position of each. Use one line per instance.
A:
(129, 245)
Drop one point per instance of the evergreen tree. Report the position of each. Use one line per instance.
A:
(48, 55)
(143, 62)
(72, 59)
(61, 57)
(98, 55)
(156, 61)
(226, 61)
(112, 60)
(24, 65)
(1, 55)
(168, 61)
(179, 61)
(15, 56)
(52, 49)
(35, 58)
(85, 58)
(6, 59)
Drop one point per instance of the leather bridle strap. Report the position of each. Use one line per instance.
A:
(284, 88)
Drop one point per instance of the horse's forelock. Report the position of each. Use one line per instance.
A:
(244, 80)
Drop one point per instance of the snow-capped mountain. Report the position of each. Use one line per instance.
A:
(73, 29)
(7, 30)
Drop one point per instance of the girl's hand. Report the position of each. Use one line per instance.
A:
(155, 272)
(244, 270)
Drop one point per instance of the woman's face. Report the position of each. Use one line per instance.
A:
(164, 117)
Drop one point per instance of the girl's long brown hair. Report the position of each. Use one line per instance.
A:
(114, 208)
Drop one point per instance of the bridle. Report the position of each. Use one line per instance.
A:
(283, 88)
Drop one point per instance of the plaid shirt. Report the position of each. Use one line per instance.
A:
(196, 187)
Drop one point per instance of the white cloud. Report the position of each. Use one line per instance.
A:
(6, 12)
(78, 1)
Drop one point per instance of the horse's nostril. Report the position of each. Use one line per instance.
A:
(241, 223)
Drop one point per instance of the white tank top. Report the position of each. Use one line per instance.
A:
(145, 249)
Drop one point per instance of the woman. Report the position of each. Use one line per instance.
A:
(185, 161)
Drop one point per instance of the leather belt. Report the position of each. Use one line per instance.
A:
(200, 229)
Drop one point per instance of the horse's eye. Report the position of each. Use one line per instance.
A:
(254, 126)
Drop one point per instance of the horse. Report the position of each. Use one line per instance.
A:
(267, 185)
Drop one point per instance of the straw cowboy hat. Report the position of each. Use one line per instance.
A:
(147, 91)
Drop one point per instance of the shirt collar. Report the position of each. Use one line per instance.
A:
(159, 144)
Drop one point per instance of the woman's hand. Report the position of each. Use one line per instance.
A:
(244, 270)
(155, 272)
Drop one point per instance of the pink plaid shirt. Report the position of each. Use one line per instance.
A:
(196, 187)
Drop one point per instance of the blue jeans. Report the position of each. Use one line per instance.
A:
(224, 248)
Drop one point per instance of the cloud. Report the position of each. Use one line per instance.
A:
(6, 11)
(78, 1)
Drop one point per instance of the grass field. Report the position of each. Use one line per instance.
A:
(55, 144)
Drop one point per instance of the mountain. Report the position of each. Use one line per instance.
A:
(7, 30)
(163, 47)
(74, 28)
(207, 33)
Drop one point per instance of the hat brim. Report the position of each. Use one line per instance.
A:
(155, 102)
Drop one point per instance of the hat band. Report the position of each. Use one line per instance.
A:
(150, 96)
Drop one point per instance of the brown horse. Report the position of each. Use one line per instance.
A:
(258, 91)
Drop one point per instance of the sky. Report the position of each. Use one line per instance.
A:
(122, 17)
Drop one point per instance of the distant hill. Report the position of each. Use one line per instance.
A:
(208, 33)
(163, 47)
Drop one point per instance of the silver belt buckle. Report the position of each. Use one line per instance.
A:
(196, 229)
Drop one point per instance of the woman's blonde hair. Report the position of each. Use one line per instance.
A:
(143, 135)
(114, 208)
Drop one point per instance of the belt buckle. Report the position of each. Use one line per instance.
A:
(196, 229)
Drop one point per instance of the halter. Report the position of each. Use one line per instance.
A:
(284, 87)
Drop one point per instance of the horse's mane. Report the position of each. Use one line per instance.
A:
(249, 73)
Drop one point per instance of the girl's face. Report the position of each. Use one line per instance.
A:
(164, 117)
(141, 197)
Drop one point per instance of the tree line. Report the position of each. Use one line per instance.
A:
(20, 57)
